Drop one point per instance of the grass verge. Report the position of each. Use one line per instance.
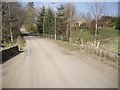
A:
(66, 45)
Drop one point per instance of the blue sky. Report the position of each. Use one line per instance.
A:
(111, 7)
(70, 0)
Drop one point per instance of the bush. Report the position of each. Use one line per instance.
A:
(65, 38)
(20, 41)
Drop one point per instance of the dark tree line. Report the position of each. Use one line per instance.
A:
(46, 21)
(59, 22)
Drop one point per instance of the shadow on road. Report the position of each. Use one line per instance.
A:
(5, 59)
(29, 34)
(9, 53)
(32, 34)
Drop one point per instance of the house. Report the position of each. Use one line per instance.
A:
(78, 23)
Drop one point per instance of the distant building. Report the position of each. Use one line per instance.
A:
(78, 23)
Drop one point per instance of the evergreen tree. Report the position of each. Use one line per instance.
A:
(61, 28)
(50, 22)
(41, 21)
(46, 21)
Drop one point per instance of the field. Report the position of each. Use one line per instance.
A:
(108, 38)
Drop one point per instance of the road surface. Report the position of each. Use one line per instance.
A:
(46, 65)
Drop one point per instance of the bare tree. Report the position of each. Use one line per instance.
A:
(30, 18)
(11, 21)
(86, 18)
(69, 12)
(97, 9)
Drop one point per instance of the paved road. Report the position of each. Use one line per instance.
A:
(46, 65)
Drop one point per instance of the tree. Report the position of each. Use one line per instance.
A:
(107, 21)
(85, 19)
(50, 22)
(41, 21)
(46, 21)
(117, 23)
(97, 10)
(30, 18)
(11, 21)
(61, 28)
(69, 12)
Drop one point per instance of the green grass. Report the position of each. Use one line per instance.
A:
(108, 38)
(107, 33)
(85, 34)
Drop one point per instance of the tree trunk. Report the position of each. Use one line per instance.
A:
(67, 30)
(55, 28)
(81, 41)
(70, 30)
(43, 24)
(96, 28)
(11, 35)
(98, 44)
